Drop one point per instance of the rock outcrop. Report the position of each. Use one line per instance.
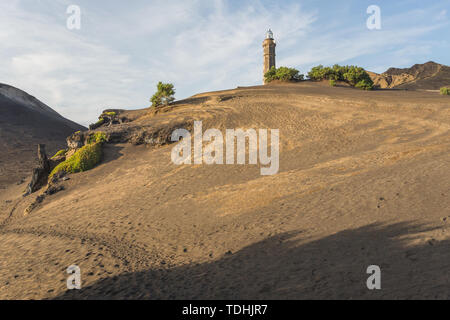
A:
(109, 117)
(39, 178)
(427, 76)
(119, 127)
(40, 173)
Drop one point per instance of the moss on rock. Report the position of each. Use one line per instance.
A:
(98, 136)
(59, 153)
(84, 159)
(99, 123)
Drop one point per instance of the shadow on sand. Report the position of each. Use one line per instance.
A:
(111, 152)
(192, 100)
(289, 267)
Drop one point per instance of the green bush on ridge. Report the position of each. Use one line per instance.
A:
(353, 75)
(164, 94)
(282, 74)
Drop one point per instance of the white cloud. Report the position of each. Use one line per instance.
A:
(123, 49)
(210, 46)
(442, 15)
(74, 75)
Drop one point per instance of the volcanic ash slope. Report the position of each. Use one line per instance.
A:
(364, 179)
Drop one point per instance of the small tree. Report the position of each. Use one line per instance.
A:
(164, 94)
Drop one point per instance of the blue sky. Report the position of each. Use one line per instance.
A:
(124, 48)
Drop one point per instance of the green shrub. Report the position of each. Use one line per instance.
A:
(164, 94)
(111, 114)
(317, 73)
(332, 83)
(283, 74)
(364, 84)
(59, 153)
(82, 160)
(270, 75)
(356, 75)
(326, 73)
(353, 75)
(445, 91)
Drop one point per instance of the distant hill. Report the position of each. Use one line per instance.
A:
(427, 76)
(24, 122)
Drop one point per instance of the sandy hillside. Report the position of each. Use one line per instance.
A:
(364, 179)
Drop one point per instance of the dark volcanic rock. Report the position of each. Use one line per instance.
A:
(109, 117)
(40, 173)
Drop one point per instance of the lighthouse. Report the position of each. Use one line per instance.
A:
(269, 53)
